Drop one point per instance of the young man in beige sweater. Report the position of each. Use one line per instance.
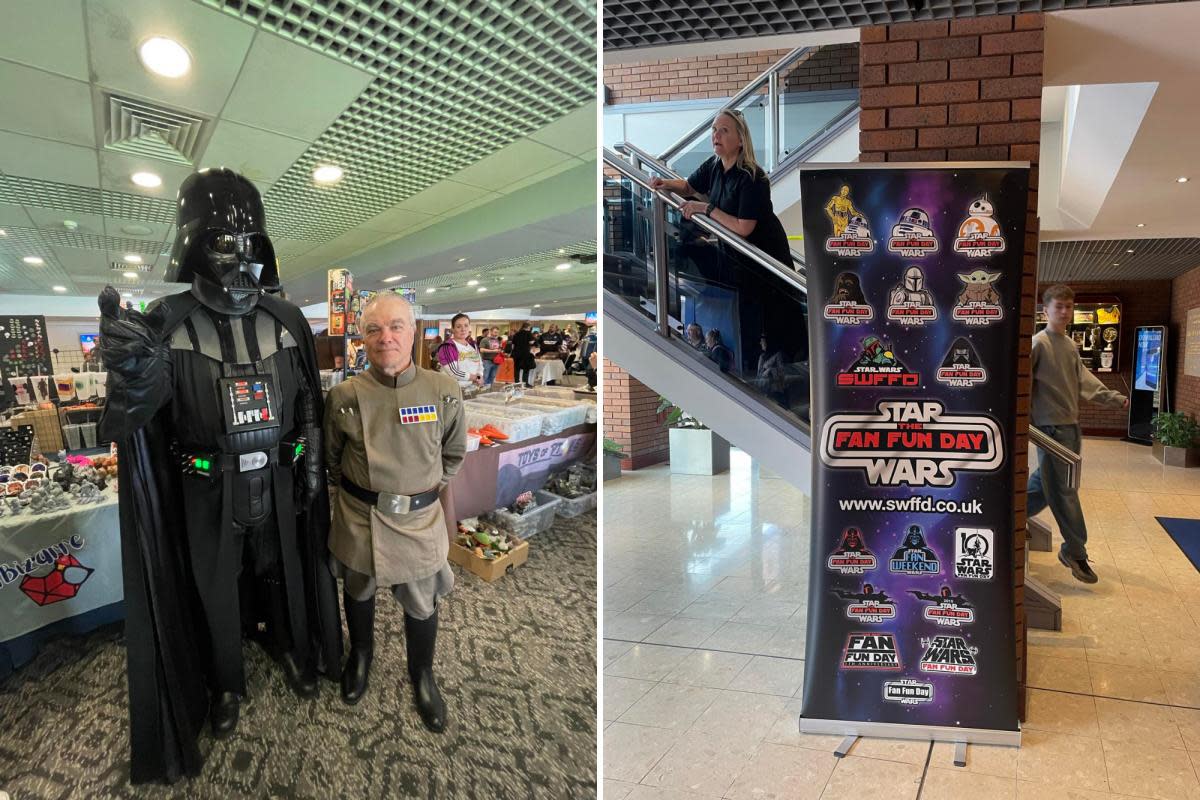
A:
(1060, 381)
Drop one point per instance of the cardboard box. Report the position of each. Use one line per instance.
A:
(488, 570)
(46, 429)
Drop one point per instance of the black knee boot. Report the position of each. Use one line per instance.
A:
(360, 618)
(300, 673)
(420, 636)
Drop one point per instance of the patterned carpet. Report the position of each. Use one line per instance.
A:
(516, 662)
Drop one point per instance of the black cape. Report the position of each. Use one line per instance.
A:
(165, 628)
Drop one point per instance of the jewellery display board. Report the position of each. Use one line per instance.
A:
(24, 351)
(1096, 331)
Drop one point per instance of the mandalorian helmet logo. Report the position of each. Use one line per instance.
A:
(222, 247)
(914, 280)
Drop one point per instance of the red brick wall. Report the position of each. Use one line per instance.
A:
(959, 90)
(1185, 295)
(718, 76)
(1142, 303)
(631, 419)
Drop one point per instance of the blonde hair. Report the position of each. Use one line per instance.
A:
(745, 159)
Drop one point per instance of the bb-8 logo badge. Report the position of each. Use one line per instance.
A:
(980, 235)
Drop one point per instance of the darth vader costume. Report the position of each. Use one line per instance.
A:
(214, 400)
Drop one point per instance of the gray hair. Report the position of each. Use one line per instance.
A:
(382, 297)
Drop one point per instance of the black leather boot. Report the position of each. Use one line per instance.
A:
(223, 715)
(360, 619)
(302, 679)
(420, 636)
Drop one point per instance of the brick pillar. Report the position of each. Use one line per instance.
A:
(966, 90)
(631, 419)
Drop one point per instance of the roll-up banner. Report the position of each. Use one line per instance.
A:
(914, 281)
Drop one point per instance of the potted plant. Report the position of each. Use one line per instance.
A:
(612, 459)
(695, 449)
(1175, 434)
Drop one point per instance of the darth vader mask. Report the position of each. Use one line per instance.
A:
(222, 248)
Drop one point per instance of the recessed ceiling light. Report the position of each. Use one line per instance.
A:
(136, 230)
(70, 224)
(481, 289)
(147, 180)
(430, 290)
(3, 232)
(394, 278)
(1141, 224)
(165, 57)
(1115, 264)
(133, 258)
(327, 173)
(464, 258)
(472, 282)
(34, 260)
(1129, 251)
(59, 288)
(126, 294)
(1181, 179)
(130, 275)
(537, 305)
(562, 249)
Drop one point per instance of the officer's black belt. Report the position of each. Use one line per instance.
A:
(393, 503)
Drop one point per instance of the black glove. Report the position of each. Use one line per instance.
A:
(138, 363)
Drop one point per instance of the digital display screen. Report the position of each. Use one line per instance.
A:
(431, 333)
(87, 341)
(1147, 365)
(590, 318)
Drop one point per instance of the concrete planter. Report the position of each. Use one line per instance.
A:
(1177, 456)
(612, 466)
(698, 451)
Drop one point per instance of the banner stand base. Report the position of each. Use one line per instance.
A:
(892, 730)
(843, 749)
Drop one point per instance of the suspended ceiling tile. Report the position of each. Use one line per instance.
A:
(135, 229)
(396, 220)
(260, 155)
(49, 218)
(117, 169)
(53, 161)
(77, 261)
(444, 196)
(573, 133)
(47, 34)
(322, 89)
(50, 106)
(13, 216)
(510, 164)
(542, 175)
(217, 44)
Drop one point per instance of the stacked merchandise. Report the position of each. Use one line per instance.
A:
(40, 487)
(486, 550)
(576, 486)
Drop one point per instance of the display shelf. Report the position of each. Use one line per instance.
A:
(1096, 331)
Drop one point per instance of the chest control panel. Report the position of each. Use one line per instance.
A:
(248, 403)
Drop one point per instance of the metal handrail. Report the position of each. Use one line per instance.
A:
(703, 221)
(640, 157)
(749, 89)
(1072, 460)
(811, 146)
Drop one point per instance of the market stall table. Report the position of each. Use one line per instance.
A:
(547, 370)
(60, 572)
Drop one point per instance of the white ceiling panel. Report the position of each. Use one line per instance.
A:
(396, 220)
(510, 164)
(81, 262)
(131, 229)
(13, 216)
(217, 44)
(549, 172)
(574, 133)
(45, 105)
(52, 219)
(260, 155)
(47, 34)
(445, 195)
(53, 161)
(117, 169)
(323, 88)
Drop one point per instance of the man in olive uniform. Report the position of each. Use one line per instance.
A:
(395, 435)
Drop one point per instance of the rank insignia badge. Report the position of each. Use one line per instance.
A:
(414, 414)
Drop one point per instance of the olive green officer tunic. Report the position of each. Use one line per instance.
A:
(374, 445)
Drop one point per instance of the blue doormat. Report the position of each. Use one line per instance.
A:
(1186, 533)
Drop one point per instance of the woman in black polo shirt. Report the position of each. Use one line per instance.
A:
(738, 196)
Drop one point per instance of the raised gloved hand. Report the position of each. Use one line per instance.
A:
(138, 363)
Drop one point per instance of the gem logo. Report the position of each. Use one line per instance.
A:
(978, 303)
(868, 605)
(910, 303)
(949, 654)
(877, 365)
(973, 553)
(876, 651)
(962, 367)
(907, 692)
(912, 235)
(62, 583)
(979, 235)
(915, 443)
(848, 305)
(950, 610)
(851, 556)
(914, 556)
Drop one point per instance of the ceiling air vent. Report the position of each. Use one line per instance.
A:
(125, 266)
(144, 129)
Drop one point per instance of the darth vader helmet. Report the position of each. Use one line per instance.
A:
(221, 246)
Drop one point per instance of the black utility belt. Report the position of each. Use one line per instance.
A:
(208, 465)
(391, 503)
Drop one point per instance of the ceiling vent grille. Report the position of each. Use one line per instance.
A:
(144, 129)
(125, 266)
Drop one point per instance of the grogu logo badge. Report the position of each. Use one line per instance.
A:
(978, 303)
(979, 235)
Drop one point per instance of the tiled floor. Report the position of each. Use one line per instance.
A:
(705, 586)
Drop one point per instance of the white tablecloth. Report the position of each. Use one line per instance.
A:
(550, 369)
